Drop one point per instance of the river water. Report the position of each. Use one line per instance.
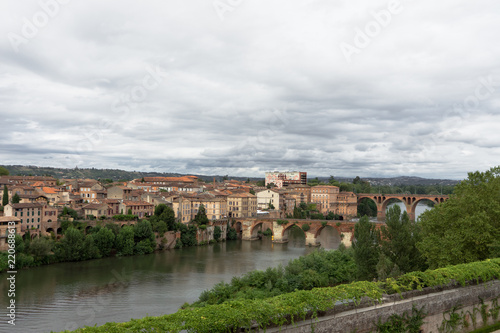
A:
(71, 295)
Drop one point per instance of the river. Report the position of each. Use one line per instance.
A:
(71, 295)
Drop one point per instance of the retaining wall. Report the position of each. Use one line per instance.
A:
(436, 302)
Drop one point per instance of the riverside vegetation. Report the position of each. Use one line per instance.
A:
(105, 240)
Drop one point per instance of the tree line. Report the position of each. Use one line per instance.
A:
(359, 185)
(107, 240)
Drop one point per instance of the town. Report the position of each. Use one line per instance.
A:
(35, 202)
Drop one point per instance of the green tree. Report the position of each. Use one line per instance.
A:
(345, 187)
(125, 241)
(231, 233)
(398, 241)
(167, 215)
(367, 207)
(20, 244)
(314, 182)
(333, 182)
(5, 197)
(40, 248)
(261, 183)
(366, 250)
(69, 212)
(201, 217)
(462, 229)
(217, 233)
(16, 198)
(115, 228)
(143, 230)
(89, 248)
(70, 247)
(4, 171)
(105, 241)
(270, 206)
(188, 234)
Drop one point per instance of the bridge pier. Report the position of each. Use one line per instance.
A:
(311, 239)
(247, 231)
(380, 214)
(278, 235)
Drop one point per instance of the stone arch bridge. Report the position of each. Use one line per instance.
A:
(410, 201)
(250, 229)
(55, 227)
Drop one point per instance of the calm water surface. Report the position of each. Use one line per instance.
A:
(71, 295)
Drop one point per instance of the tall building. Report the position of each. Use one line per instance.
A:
(286, 178)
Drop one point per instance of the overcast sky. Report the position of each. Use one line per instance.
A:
(240, 87)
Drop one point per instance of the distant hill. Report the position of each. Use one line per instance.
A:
(94, 173)
(395, 181)
(116, 174)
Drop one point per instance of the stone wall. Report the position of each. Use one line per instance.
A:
(437, 304)
(167, 241)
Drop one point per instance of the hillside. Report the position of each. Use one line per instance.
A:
(116, 174)
(94, 173)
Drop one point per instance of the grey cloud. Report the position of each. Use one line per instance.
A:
(263, 89)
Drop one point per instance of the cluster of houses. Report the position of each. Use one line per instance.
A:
(42, 199)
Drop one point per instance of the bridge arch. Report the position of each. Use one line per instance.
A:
(421, 200)
(254, 231)
(389, 201)
(239, 229)
(287, 229)
(328, 236)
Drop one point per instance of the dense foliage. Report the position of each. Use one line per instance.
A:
(232, 315)
(3, 171)
(310, 211)
(201, 216)
(75, 245)
(366, 249)
(466, 227)
(359, 185)
(398, 245)
(163, 219)
(318, 269)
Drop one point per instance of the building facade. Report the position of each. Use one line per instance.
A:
(242, 205)
(281, 179)
(324, 196)
(269, 197)
(29, 214)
